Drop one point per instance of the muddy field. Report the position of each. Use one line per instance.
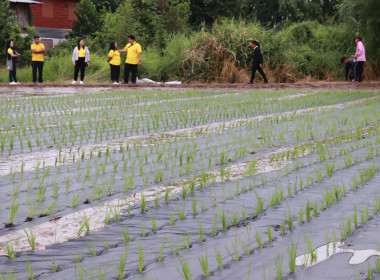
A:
(190, 182)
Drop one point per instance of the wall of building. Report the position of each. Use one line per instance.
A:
(54, 13)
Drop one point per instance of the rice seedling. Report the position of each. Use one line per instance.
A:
(143, 203)
(161, 252)
(154, 224)
(185, 269)
(31, 238)
(203, 261)
(171, 218)
(13, 211)
(235, 255)
(91, 248)
(181, 212)
(143, 230)
(156, 200)
(219, 258)
(166, 196)
(175, 250)
(278, 264)
(141, 257)
(292, 251)
(120, 266)
(200, 230)
(30, 268)
(369, 272)
(308, 245)
(10, 250)
(258, 238)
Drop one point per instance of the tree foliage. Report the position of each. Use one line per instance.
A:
(11, 31)
(89, 19)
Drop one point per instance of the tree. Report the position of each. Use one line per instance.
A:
(89, 20)
(363, 15)
(10, 30)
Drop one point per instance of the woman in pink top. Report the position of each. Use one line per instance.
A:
(360, 59)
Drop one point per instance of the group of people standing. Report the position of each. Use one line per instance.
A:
(81, 60)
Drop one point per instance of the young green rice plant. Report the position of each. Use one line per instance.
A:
(31, 238)
(292, 251)
(282, 227)
(10, 250)
(300, 217)
(156, 200)
(185, 269)
(167, 196)
(161, 252)
(219, 258)
(175, 250)
(377, 263)
(223, 219)
(203, 205)
(143, 230)
(258, 238)
(269, 230)
(143, 203)
(315, 209)
(309, 246)
(181, 213)
(171, 218)
(125, 235)
(308, 211)
(75, 200)
(355, 218)
(194, 206)
(290, 220)
(91, 248)
(203, 261)
(235, 255)
(200, 230)
(30, 268)
(154, 224)
(13, 211)
(120, 266)
(376, 205)
(235, 219)
(369, 272)
(278, 264)
(141, 257)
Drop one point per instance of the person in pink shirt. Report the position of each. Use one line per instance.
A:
(359, 56)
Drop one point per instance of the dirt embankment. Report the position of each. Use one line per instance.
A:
(371, 85)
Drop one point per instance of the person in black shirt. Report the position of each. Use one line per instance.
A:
(257, 63)
(349, 64)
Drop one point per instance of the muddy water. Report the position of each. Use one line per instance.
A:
(48, 158)
(325, 252)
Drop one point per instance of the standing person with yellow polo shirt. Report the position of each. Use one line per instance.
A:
(38, 51)
(133, 51)
(12, 56)
(114, 61)
(81, 59)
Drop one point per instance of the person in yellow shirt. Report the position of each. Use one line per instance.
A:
(114, 61)
(12, 56)
(38, 51)
(133, 51)
(80, 59)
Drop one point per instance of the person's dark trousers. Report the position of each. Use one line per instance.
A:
(12, 74)
(127, 68)
(359, 68)
(80, 64)
(254, 69)
(115, 72)
(37, 65)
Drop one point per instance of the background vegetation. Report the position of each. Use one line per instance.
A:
(208, 40)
